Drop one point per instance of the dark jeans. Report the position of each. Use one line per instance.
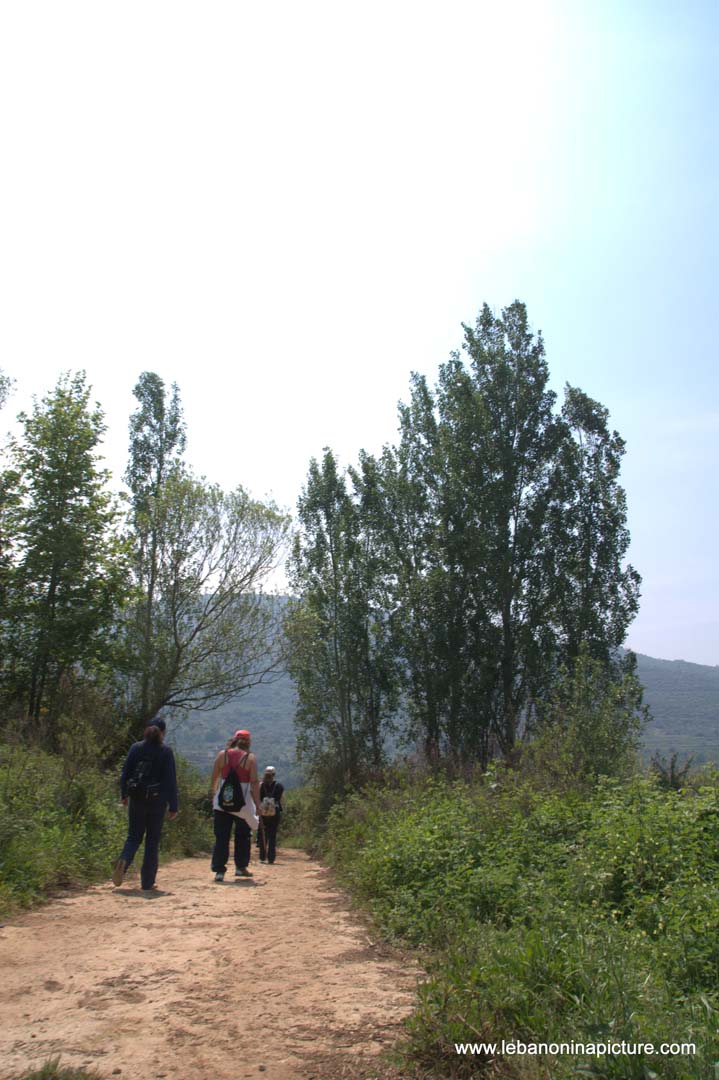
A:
(267, 837)
(223, 832)
(144, 819)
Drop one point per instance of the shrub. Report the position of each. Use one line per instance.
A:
(546, 915)
(62, 823)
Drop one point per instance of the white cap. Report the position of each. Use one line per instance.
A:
(270, 768)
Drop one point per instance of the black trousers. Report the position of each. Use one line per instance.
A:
(267, 837)
(223, 832)
(145, 817)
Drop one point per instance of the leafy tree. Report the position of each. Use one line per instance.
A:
(5, 387)
(338, 632)
(201, 630)
(505, 533)
(428, 586)
(467, 490)
(592, 723)
(67, 575)
(496, 534)
(595, 596)
(8, 489)
(157, 442)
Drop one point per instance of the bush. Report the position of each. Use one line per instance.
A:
(61, 823)
(545, 915)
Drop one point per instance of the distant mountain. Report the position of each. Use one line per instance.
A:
(267, 711)
(684, 701)
(683, 698)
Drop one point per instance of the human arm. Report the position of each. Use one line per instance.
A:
(171, 781)
(127, 770)
(254, 782)
(216, 770)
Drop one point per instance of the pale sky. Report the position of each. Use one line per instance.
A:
(286, 208)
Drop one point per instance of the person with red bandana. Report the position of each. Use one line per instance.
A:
(238, 759)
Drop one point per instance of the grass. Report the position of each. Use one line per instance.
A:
(53, 1070)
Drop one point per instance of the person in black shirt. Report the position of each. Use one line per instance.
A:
(271, 792)
(148, 786)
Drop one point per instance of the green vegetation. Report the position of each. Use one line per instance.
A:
(682, 699)
(467, 591)
(54, 1070)
(546, 914)
(116, 610)
(61, 823)
(447, 582)
(199, 629)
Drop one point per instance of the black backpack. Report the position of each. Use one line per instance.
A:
(141, 785)
(230, 797)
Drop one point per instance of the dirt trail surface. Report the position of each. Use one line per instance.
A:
(202, 981)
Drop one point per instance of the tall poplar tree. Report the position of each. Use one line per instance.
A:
(497, 535)
(506, 532)
(157, 443)
(337, 628)
(596, 595)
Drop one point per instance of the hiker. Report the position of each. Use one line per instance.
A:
(235, 759)
(271, 792)
(148, 787)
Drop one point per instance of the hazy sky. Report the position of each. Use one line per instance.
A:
(288, 207)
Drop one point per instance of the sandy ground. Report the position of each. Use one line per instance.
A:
(271, 975)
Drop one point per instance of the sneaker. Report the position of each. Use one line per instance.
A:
(263, 860)
(220, 875)
(118, 872)
(243, 872)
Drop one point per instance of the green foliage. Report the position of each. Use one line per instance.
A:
(54, 1070)
(6, 384)
(55, 828)
(61, 821)
(546, 915)
(305, 817)
(340, 656)
(671, 775)
(591, 724)
(199, 631)
(157, 442)
(67, 576)
(471, 560)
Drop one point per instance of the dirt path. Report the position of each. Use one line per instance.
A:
(167, 986)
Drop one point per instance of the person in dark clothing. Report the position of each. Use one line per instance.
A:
(271, 792)
(148, 787)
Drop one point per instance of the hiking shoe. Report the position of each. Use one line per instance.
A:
(118, 872)
(220, 876)
(243, 872)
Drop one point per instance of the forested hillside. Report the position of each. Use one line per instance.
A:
(267, 711)
(684, 702)
(683, 699)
